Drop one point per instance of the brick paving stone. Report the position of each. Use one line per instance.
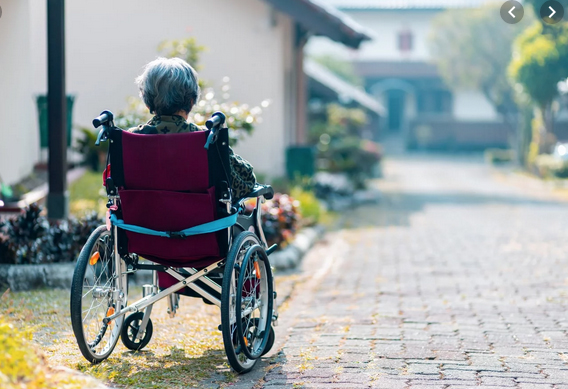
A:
(424, 369)
(471, 386)
(459, 374)
(451, 383)
(509, 374)
(556, 374)
(538, 386)
(456, 271)
(383, 383)
(498, 381)
(538, 381)
(334, 385)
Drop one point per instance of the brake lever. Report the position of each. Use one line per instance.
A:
(212, 138)
(102, 136)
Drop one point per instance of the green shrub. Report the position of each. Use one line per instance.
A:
(280, 218)
(341, 148)
(499, 156)
(30, 238)
(94, 156)
(548, 166)
(310, 207)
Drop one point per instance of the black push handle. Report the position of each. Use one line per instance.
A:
(217, 120)
(104, 118)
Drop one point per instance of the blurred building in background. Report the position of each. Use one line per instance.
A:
(258, 44)
(325, 87)
(398, 70)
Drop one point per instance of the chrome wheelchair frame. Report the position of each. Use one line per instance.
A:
(245, 264)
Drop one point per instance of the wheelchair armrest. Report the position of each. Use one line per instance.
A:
(261, 190)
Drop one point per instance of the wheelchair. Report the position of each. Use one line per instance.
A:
(170, 203)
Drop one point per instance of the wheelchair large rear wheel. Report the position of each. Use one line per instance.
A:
(254, 302)
(99, 289)
(238, 360)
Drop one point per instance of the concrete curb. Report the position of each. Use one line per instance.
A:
(26, 277)
(292, 254)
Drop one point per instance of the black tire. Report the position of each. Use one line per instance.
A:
(270, 342)
(130, 331)
(254, 300)
(237, 359)
(97, 340)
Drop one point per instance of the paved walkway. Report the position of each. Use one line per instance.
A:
(459, 278)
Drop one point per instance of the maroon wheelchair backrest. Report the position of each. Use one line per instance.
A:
(172, 162)
(169, 182)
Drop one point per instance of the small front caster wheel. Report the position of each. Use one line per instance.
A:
(270, 342)
(130, 332)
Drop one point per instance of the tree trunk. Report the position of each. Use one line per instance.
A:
(547, 128)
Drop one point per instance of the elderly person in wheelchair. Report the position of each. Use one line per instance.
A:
(175, 198)
(170, 89)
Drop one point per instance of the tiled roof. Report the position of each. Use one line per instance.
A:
(322, 75)
(406, 4)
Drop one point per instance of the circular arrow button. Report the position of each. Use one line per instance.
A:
(552, 12)
(512, 12)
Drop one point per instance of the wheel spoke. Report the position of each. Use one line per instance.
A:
(93, 295)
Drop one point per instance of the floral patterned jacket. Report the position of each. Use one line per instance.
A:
(242, 173)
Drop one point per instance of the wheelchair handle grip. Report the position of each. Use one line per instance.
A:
(103, 118)
(218, 119)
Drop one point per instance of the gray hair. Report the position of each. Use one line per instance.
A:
(168, 86)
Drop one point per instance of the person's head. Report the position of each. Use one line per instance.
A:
(168, 86)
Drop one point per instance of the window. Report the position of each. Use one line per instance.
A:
(405, 41)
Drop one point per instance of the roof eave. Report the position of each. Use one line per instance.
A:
(325, 20)
(334, 85)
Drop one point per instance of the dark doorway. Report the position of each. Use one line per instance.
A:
(396, 100)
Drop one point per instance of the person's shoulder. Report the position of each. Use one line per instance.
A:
(145, 129)
(192, 127)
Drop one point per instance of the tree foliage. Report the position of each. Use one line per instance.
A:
(187, 49)
(540, 61)
(472, 51)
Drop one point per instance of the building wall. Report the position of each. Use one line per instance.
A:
(109, 42)
(385, 25)
(19, 144)
(473, 106)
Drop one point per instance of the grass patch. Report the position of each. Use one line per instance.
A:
(186, 351)
(87, 194)
(22, 362)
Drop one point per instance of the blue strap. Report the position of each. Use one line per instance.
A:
(214, 226)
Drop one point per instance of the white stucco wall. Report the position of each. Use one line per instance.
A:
(19, 144)
(108, 43)
(473, 106)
